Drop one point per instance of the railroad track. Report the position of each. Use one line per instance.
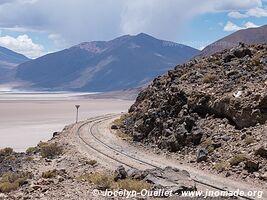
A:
(97, 120)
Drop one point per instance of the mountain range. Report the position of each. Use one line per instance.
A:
(99, 66)
(9, 60)
(122, 63)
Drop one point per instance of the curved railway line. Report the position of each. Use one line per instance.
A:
(94, 122)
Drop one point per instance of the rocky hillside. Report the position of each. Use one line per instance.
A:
(211, 110)
(123, 63)
(248, 36)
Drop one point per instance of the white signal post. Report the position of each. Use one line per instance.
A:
(77, 113)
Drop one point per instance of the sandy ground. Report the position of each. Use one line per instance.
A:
(33, 118)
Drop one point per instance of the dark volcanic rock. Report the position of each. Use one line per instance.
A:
(202, 155)
(252, 166)
(120, 173)
(231, 86)
(261, 151)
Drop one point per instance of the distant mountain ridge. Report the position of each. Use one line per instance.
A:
(123, 63)
(248, 36)
(8, 63)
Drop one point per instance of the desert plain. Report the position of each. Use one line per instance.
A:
(28, 118)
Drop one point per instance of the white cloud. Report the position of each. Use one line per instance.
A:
(73, 21)
(230, 26)
(22, 44)
(237, 15)
(257, 12)
(251, 25)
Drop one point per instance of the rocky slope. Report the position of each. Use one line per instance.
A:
(123, 63)
(211, 110)
(248, 36)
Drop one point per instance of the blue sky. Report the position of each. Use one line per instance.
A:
(38, 27)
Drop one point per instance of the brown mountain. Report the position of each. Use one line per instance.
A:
(248, 36)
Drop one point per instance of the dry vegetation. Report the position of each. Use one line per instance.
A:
(209, 78)
(12, 181)
(106, 181)
(222, 166)
(32, 150)
(249, 140)
(91, 162)
(50, 173)
(6, 152)
(123, 135)
(133, 185)
(50, 150)
(237, 159)
(99, 179)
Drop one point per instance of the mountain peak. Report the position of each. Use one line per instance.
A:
(97, 47)
(143, 35)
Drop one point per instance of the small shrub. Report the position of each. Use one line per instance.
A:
(133, 185)
(50, 150)
(91, 162)
(222, 166)
(106, 181)
(210, 149)
(122, 135)
(118, 122)
(6, 152)
(29, 158)
(11, 158)
(40, 144)
(32, 150)
(209, 78)
(207, 144)
(249, 140)
(14, 177)
(237, 159)
(100, 179)
(50, 174)
(12, 181)
(7, 187)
